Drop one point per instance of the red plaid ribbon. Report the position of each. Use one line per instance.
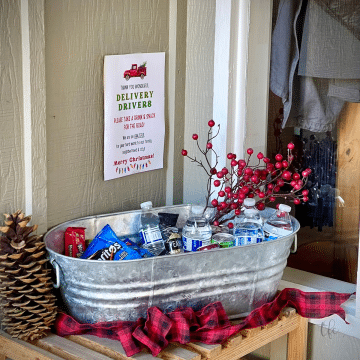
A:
(210, 325)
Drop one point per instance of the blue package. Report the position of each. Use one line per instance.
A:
(144, 253)
(107, 246)
(134, 238)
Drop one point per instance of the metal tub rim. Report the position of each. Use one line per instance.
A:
(191, 253)
(114, 263)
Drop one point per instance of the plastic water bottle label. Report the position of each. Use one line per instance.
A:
(239, 241)
(191, 244)
(150, 236)
(246, 240)
(246, 237)
(277, 230)
(269, 237)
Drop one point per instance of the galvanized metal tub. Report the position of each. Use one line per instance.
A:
(242, 278)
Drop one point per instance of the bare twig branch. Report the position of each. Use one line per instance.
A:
(236, 182)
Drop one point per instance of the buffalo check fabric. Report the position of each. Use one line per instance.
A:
(210, 325)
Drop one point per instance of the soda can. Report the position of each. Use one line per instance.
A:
(208, 247)
(173, 244)
(225, 240)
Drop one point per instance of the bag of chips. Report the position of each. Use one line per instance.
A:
(107, 246)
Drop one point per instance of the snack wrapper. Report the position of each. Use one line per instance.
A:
(74, 241)
(144, 253)
(107, 246)
(167, 224)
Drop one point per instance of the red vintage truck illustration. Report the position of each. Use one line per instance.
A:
(135, 71)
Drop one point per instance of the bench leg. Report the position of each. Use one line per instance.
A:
(297, 341)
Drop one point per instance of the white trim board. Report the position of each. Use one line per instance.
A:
(171, 102)
(316, 282)
(221, 76)
(25, 43)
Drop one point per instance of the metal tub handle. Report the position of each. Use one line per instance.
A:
(294, 246)
(57, 273)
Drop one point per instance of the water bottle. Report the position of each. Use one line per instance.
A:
(278, 224)
(249, 203)
(150, 233)
(197, 230)
(249, 228)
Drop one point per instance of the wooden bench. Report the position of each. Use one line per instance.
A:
(88, 347)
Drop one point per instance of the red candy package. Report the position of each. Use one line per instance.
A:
(74, 241)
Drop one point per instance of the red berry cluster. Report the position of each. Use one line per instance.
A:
(240, 180)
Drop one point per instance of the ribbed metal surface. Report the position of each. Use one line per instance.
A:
(242, 278)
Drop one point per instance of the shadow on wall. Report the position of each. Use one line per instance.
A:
(332, 258)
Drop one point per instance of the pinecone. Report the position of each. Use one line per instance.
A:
(26, 300)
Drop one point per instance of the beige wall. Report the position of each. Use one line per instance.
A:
(67, 44)
(78, 35)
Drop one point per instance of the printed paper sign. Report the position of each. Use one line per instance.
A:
(134, 114)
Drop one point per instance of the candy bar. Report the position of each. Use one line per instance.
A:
(74, 241)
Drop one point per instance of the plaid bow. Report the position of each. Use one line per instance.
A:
(210, 325)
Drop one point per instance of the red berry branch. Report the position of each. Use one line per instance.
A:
(264, 181)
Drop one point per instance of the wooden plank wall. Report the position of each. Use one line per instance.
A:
(348, 184)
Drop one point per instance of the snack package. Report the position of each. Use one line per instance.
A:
(107, 246)
(74, 241)
(168, 219)
(144, 253)
(167, 224)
